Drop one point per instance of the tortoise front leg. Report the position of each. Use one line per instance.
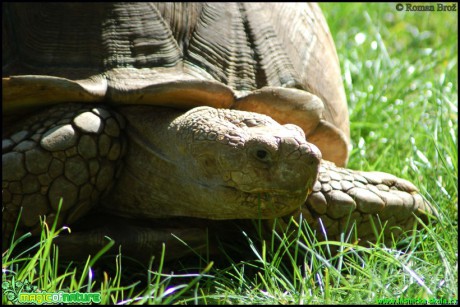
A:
(71, 151)
(342, 197)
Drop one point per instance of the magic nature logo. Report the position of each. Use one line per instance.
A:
(23, 292)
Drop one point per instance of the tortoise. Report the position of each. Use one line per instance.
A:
(157, 121)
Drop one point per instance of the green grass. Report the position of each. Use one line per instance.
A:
(400, 74)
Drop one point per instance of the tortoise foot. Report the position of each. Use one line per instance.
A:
(344, 198)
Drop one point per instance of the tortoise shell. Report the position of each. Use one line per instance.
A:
(227, 55)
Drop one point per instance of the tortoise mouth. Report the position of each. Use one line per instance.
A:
(266, 192)
(267, 203)
(289, 192)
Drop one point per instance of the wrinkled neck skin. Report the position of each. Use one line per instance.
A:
(212, 163)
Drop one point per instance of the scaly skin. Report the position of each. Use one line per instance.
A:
(342, 197)
(66, 151)
(206, 164)
(212, 163)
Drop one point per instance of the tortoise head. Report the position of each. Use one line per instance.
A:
(215, 163)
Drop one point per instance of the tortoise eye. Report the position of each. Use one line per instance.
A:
(262, 154)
